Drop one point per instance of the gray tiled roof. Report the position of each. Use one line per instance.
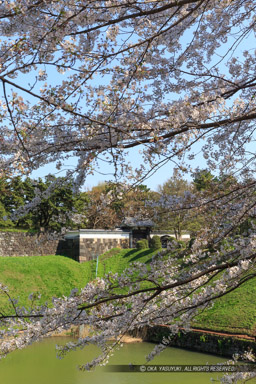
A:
(136, 222)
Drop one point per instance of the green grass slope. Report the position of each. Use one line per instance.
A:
(49, 275)
(116, 260)
(234, 312)
(58, 275)
(55, 276)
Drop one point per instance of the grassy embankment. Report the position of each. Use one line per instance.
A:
(57, 275)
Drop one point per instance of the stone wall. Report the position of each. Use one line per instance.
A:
(90, 248)
(198, 341)
(26, 244)
(87, 244)
(79, 245)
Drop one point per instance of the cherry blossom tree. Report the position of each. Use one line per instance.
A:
(95, 79)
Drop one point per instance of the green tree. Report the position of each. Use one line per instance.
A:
(4, 221)
(14, 193)
(203, 180)
(60, 208)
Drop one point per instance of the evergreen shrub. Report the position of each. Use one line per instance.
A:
(142, 244)
(155, 242)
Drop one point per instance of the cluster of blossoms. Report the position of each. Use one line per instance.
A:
(104, 77)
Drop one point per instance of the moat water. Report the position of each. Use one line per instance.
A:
(38, 364)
